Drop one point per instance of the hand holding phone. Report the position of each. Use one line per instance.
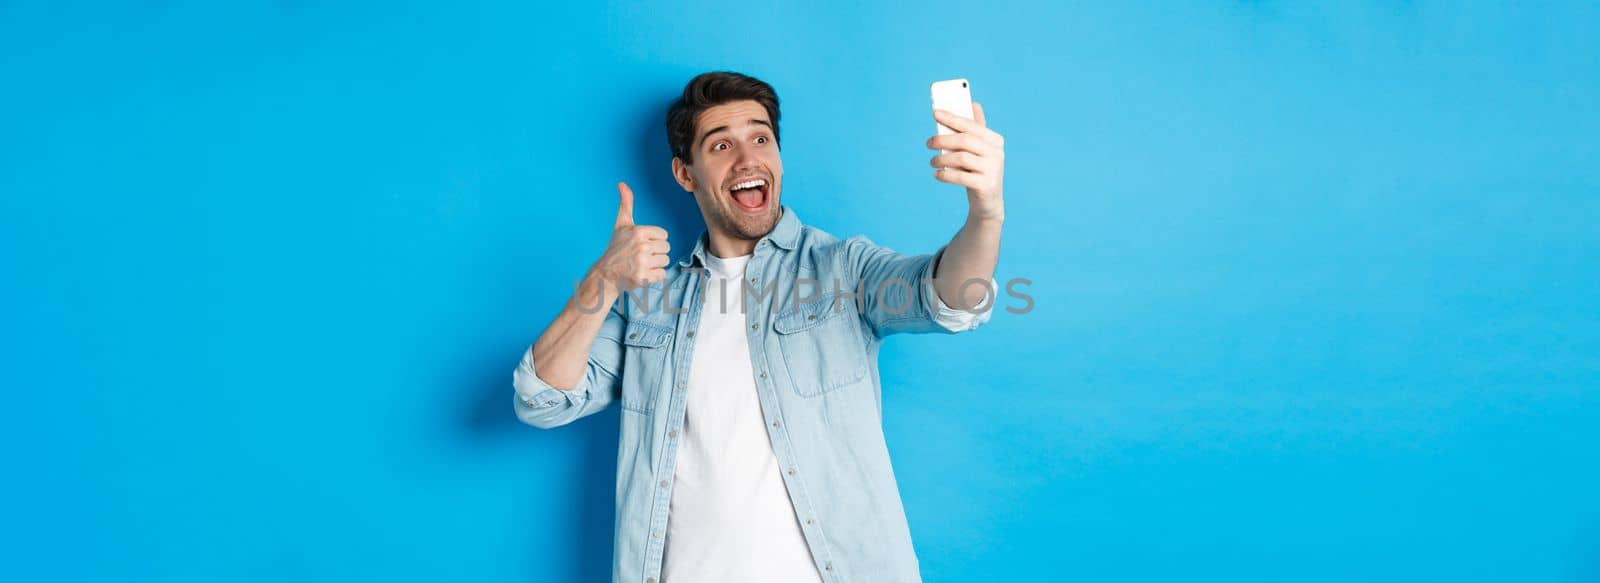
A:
(971, 154)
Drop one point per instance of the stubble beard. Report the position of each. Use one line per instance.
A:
(750, 228)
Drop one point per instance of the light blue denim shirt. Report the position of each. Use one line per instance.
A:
(816, 367)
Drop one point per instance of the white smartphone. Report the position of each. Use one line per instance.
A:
(954, 96)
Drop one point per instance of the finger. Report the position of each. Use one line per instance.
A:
(962, 142)
(961, 177)
(954, 121)
(959, 160)
(624, 205)
(977, 114)
(657, 247)
(655, 275)
(967, 125)
(649, 261)
(651, 232)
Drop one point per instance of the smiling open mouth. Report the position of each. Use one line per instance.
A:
(751, 194)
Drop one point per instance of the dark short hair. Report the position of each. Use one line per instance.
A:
(708, 90)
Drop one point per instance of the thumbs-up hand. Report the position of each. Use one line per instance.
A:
(637, 254)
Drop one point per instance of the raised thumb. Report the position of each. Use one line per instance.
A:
(625, 205)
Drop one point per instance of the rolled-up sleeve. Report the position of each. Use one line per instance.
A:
(897, 294)
(958, 320)
(541, 405)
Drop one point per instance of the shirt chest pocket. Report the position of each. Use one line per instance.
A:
(822, 346)
(644, 365)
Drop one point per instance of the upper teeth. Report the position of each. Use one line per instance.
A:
(750, 184)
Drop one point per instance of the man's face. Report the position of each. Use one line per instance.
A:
(734, 147)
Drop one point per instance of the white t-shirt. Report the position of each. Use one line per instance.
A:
(731, 519)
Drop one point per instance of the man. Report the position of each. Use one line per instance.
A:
(751, 443)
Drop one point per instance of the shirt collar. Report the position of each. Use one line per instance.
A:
(785, 234)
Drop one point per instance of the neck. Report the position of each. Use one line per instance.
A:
(725, 246)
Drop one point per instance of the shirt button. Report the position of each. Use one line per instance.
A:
(791, 471)
(682, 384)
(755, 326)
(810, 520)
(777, 422)
(672, 434)
(649, 580)
(691, 333)
(829, 566)
(763, 374)
(663, 483)
(655, 533)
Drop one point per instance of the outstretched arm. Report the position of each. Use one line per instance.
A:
(973, 157)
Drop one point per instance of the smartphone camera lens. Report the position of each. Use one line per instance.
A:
(963, 83)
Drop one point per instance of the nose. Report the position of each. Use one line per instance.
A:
(744, 163)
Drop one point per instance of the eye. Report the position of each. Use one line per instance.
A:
(761, 139)
(719, 146)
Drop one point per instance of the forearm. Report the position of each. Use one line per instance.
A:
(561, 353)
(971, 255)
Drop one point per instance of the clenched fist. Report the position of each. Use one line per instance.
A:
(637, 254)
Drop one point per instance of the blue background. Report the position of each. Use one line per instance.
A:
(1316, 286)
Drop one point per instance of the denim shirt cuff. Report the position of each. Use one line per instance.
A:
(949, 318)
(534, 393)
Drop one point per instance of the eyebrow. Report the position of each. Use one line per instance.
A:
(714, 130)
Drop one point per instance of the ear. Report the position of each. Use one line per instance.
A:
(680, 171)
